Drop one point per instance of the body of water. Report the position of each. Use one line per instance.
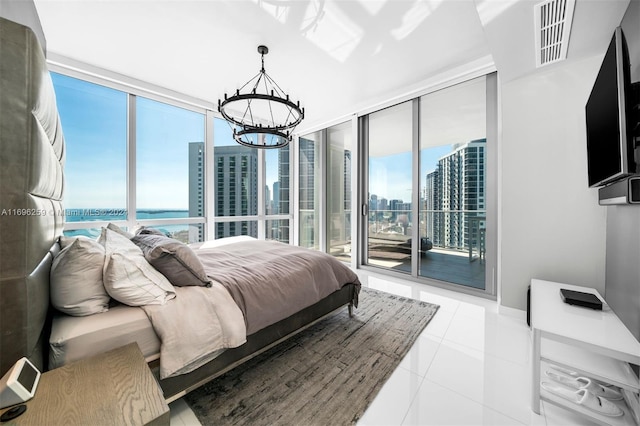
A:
(113, 215)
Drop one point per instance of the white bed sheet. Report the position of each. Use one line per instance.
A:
(74, 338)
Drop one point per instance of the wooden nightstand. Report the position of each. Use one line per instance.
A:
(114, 388)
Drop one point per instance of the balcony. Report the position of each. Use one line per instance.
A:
(452, 244)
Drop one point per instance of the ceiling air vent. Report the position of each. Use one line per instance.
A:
(552, 26)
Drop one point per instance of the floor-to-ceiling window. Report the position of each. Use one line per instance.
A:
(339, 198)
(427, 185)
(324, 164)
(94, 119)
(277, 196)
(130, 161)
(453, 170)
(252, 188)
(309, 188)
(390, 179)
(170, 167)
(142, 161)
(236, 192)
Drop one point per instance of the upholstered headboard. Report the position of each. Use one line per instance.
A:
(31, 187)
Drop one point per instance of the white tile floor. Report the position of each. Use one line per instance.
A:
(470, 366)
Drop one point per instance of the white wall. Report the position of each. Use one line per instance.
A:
(552, 225)
(24, 12)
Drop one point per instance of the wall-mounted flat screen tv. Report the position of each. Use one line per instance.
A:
(609, 148)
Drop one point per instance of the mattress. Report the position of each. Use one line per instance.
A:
(74, 338)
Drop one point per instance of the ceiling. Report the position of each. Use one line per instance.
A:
(336, 57)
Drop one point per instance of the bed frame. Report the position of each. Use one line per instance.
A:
(31, 190)
(258, 342)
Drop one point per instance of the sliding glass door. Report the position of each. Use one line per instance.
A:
(453, 146)
(390, 188)
(429, 186)
(339, 158)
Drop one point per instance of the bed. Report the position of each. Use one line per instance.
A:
(32, 156)
(245, 296)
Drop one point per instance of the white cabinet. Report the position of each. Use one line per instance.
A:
(592, 343)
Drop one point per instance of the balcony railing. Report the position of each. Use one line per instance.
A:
(446, 229)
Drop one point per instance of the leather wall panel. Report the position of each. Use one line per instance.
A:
(31, 188)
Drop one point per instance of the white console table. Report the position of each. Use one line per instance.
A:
(593, 343)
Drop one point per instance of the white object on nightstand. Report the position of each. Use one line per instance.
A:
(19, 383)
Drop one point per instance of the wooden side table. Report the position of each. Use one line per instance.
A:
(113, 388)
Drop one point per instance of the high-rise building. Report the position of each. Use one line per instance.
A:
(307, 187)
(236, 189)
(433, 218)
(393, 206)
(373, 202)
(455, 193)
(276, 198)
(283, 183)
(268, 201)
(196, 189)
(280, 228)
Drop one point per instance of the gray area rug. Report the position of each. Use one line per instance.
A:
(326, 375)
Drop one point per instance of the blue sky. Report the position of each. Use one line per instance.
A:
(390, 177)
(94, 124)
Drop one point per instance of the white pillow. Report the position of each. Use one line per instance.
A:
(76, 278)
(113, 241)
(127, 275)
(114, 227)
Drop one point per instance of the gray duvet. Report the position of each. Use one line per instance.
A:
(269, 281)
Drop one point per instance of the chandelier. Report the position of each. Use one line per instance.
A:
(260, 114)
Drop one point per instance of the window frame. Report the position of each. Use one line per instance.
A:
(491, 196)
(134, 88)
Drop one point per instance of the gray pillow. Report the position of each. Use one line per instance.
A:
(76, 278)
(175, 260)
